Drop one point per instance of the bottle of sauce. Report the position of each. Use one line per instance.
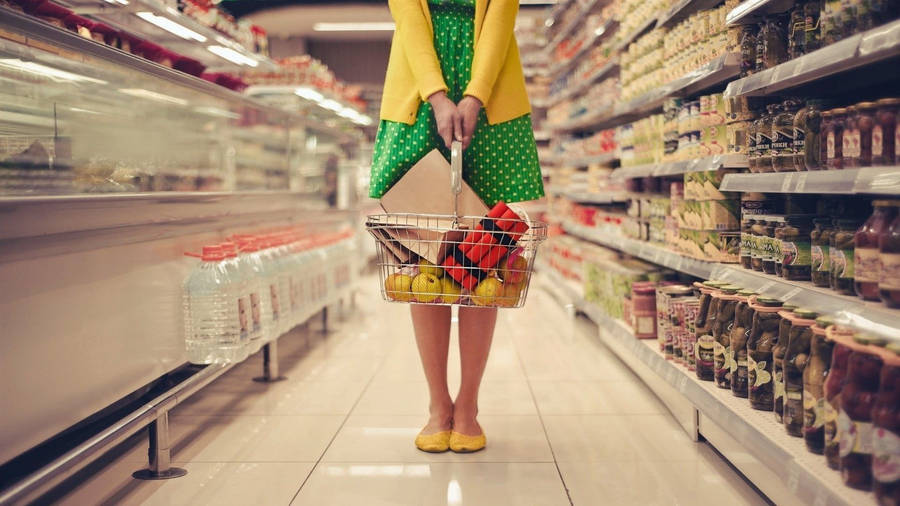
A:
(842, 256)
(834, 383)
(865, 125)
(763, 338)
(834, 139)
(884, 147)
(820, 238)
(889, 255)
(778, 353)
(723, 354)
(771, 246)
(796, 248)
(807, 136)
(866, 260)
(740, 333)
(855, 417)
(758, 233)
(850, 140)
(706, 318)
(796, 359)
(777, 243)
(746, 242)
(783, 135)
(814, 376)
(827, 120)
(886, 419)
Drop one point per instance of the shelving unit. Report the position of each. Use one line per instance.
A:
(583, 161)
(681, 167)
(684, 9)
(600, 33)
(583, 84)
(867, 180)
(750, 11)
(876, 45)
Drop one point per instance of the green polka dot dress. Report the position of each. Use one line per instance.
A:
(500, 164)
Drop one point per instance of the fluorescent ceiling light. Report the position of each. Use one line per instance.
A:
(117, 2)
(171, 26)
(45, 71)
(152, 95)
(232, 56)
(332, 105)
(354, 27)
(309, 94)
(348, 113)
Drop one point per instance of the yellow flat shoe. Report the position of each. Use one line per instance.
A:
(461, 443)
(434, 443)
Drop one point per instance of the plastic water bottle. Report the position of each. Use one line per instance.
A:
(240, 293)
(210, 312)
(260, 303)
(281, 254)
(268, 258)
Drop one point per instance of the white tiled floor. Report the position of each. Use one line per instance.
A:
(567, 423)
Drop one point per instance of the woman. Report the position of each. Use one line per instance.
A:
(454, 73)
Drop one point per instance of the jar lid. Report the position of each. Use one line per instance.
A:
(713, 283)
(746, 293)
(865, 105)
(806, 314)
(769, 302)
(789, 307)
(889, 101)
(839, 110)
(870, 339)
(825, 321)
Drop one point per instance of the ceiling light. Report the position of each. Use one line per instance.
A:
(170, 26)
(309, 94)
(232, 56)
(348, 113)
(354, 27)
(43, 70)
(117, 2)
(332, 105)
(152, 95)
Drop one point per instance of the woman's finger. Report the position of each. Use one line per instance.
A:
(458, 132)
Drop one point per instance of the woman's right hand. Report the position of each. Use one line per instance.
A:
(447, 117)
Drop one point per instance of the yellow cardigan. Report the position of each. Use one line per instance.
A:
(413, 72)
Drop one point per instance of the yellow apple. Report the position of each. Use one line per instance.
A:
(426, 287)
(429, 268)
(450, 290)
(514, 271)
(486, 292)
(397, 286)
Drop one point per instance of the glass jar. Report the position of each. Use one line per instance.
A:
(752, 139)
(748, 50)
(855, 417)
(886, 419)
(723, 354)
(796, 359)
(834, 139)
(783, 136)
(689, 343)
(889, 255)
(842, 256)
(814, 386)
(830, 21)
(834, 383)
(866, 260)
(811, 11)
(849, 144)
(771, 246)
(746, 241)
(762, 339)
(862, 141)
(884, 147)
(677, 295)
(643, 312)
(797, 32)
(820, 238)
(758, 238)
(807, 136)
(706, 317)
(827, 120)
(764, 138)
(740, 333)
(779, 236)
(796, 255)
(778, 353)
(772, 43)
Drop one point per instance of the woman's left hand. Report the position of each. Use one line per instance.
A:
(468, 108)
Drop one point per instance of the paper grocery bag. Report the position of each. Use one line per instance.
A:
(425, 189)
(394, 254)
(430, 244)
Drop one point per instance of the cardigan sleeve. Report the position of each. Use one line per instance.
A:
(491, 47)
(414, 33)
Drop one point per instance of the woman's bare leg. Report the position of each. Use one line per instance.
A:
(476, 330)
(432, 327)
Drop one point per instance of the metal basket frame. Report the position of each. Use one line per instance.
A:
(403, 240)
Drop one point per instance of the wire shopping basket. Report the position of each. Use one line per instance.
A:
(435, 259)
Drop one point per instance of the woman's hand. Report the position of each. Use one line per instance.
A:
(446, 115)
(468, 109)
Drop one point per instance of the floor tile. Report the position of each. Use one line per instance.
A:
(595, 397)
(251, 438)
(384, 438)
(411, 398)
(279, 398)
(207, 483)
(429, 484)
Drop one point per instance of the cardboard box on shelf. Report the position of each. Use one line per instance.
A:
(709, 245)
(705, 185)
(721, 215)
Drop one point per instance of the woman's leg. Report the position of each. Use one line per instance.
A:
(432, 327)
(476, 330)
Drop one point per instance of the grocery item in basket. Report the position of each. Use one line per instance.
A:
(425, 190)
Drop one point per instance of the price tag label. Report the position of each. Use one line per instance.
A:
(786, 183)
(801, 182)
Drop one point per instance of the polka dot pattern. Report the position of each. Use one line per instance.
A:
(502, 161)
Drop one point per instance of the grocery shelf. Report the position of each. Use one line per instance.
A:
(583, 84)
(569, 28)
(877, 44)
(633, 36)
(674, 168)
(715, 72)
(598, 34)
(868, 180)
(751, 11)
(124, 17)
(595, 197)
(684, 9)
(846, 309)
(583, 161)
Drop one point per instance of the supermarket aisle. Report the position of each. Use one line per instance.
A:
(566, 423)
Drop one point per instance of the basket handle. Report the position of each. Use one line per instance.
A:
(456, 167)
